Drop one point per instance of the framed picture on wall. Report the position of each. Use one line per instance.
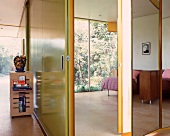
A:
(146, 48)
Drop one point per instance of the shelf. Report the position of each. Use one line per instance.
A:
(21, 98)
(20, 89)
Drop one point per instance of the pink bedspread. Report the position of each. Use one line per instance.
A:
(165, 84)
(110, 83)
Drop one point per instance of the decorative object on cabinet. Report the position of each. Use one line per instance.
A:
(21, 93)
(20, 62)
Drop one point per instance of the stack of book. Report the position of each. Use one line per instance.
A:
(20, 84)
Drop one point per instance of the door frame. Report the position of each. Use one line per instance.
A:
(124, 67)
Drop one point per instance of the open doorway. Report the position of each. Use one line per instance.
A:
(95, 58)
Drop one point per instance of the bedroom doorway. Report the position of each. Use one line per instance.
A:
(95, 57)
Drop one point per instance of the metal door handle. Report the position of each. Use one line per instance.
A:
(62, 62)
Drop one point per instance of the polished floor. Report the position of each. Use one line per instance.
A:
(96, 114)
(160, 132)
(17, 126)
(146, 116)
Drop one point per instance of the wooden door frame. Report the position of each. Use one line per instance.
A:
(122, 105)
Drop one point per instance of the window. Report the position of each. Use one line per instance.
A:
(95, 54)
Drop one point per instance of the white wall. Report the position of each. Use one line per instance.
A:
(166, 43)
(124, 64)
(145, 29)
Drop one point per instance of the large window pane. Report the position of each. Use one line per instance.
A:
(9, 48)
(103, 53)
(81, 55)
(102, 50)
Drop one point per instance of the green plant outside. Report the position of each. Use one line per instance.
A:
(9, 48)
(103, 54)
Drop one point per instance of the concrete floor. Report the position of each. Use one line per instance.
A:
(95, 115)
(17, 126)
(146, 116)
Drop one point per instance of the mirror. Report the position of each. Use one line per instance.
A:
(145, 36)
(165, 63)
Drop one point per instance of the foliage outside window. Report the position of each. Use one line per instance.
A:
(9, 48)
(103, 54)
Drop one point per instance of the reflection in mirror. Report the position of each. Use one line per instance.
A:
(146, 96)
(165, 63)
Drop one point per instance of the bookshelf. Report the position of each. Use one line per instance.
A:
(21, 93)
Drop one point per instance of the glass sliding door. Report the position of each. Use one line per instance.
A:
(81, 55)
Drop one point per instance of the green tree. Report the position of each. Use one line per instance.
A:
(103, 53)
(4, 60)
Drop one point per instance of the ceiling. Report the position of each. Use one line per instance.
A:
(96, 9)
(104, 10)
(10, 16)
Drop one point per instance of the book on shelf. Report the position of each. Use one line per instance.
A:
(22, 103)
(14, 88)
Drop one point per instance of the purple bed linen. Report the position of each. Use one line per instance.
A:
(166, 85)
(111, 83)
(135, 85)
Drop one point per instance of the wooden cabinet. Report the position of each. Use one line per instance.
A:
(21, 93)
(149, 85)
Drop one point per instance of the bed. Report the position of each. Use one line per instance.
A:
(166, 81)
(111, 83)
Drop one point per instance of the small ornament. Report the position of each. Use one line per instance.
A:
(20, 62)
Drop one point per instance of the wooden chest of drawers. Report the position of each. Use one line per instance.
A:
(149, 85)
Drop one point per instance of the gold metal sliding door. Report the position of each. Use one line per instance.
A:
(49, 61)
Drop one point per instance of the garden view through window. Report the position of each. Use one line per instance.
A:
(9, 48)
(95, 54)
